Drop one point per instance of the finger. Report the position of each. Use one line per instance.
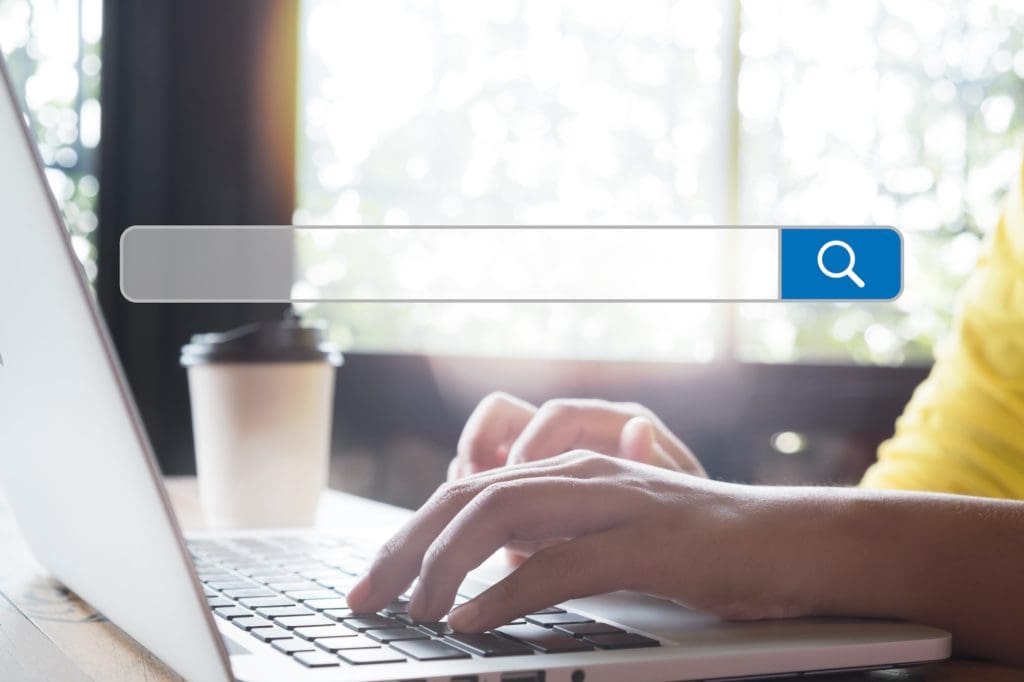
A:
(637, 442)
(559, 425)
(525, 510)
(490, 431)
(588, 565)
(398, 560)
(674, 448)
(562, 425)
(456, 469)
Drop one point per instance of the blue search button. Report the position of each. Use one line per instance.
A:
(841, 264)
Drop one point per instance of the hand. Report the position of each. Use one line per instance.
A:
(506, 430)
(616, 525)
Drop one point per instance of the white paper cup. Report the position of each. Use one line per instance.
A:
(261, 401)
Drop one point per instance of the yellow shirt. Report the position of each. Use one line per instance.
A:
(963, 430)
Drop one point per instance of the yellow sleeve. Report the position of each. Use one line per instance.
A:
(963, 430)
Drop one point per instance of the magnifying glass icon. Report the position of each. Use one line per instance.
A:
(845, 272)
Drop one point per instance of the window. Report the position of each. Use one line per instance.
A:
(896, 113)
(52, 52)
(762, 112)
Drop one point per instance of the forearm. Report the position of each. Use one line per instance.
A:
(950, 561)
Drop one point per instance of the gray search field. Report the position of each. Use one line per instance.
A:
(455, 263)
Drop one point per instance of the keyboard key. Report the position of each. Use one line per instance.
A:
(487, 644)
(584, 629)
(251, 569)
(245, 564)
(352, 565)
(303, 595)
(369, 622)
(550, 609)
(216, 602)
(338, 614)
(249, 592)
(342, 583)
(324, 631)
(397, 607)
(231, 584)
(549, 619)
(216, 576)
(274, 578)
(274, 612)
(436, 628)
(429, 650)
(265, 602)
(300, 566)
(292, 622)
(269, 634)
(293, 586)
(324, 604)
(368, 656)
(318, 573)
(251, 622)
(317, 659)
(292, 645)
(625, 640)
(544, 640)
(253, 545)
(387, 635)
(210, 592)
(353, 641)
(229, 612)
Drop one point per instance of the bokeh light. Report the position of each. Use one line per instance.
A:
(52, 52)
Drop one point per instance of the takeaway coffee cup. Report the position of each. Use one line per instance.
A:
(261, 412)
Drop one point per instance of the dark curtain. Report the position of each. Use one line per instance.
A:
(199, 102)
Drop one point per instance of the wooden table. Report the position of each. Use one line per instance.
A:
(46, 633)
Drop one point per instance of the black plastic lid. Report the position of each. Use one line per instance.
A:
(287, 340)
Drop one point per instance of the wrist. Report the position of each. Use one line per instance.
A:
(753, 560)
(799, 541)
(828, 546)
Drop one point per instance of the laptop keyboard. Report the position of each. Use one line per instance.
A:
(289, 592)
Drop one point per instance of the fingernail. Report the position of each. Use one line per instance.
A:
(360, 591)
(464, 617)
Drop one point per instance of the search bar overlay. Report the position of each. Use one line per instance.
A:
(511, 264)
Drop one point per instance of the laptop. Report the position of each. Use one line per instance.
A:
(86, 491)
